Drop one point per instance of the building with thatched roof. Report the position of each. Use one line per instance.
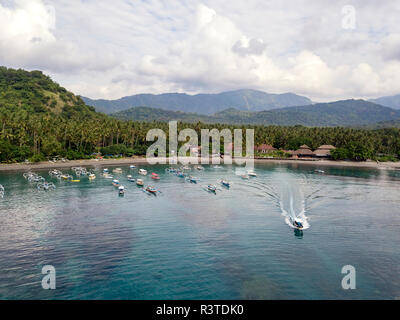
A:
(324, 151)
(303, 152)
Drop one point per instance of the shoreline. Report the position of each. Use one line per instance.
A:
(143, 160)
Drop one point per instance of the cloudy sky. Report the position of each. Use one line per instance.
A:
(323, 49)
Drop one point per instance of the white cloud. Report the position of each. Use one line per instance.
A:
(111, 49)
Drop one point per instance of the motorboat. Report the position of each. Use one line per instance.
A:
(121, 190)
(225, 183)
(117, 170)
(151, 189)
(140, 182)
(193, 179)
(45, 185)
(132, 166)
(244, 176)
(319, 171)
(115, 183)
(92, 176)
(143, 172)
(217, 167)
(186, 168)
(212, 188)
(130, 178)
(180, 174)
(155, 176)
(252, 173)
(199, 167)
(297, 223)
(105, 170)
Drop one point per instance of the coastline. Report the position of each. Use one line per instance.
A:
(143, 160)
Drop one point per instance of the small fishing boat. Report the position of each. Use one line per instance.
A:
(130, 178)
(105, 170)
(151, 189)
(92, 176)
(143, 172)
(132, 166)
(121, 190)
(186, 168)
(244, 176)
(140, 182)
(212, 188)
(319, 171)
(155, 176)
(217, 167)
(117, 170)
(225, 183)
(115, 183)
(66, 177)
(251, 173)
(46, 186)
(171, 170)
(75, 180)
(180, 174)
(193, 179)
(199, 167)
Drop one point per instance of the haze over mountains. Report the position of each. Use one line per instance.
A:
(244, 99)
(388, 101)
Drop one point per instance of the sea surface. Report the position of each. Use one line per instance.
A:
(188, 243)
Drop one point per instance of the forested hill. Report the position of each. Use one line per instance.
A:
(33, 92)
(244, 99)
(339, 113)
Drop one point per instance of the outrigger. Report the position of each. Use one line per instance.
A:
(115, 183)
(212, 188)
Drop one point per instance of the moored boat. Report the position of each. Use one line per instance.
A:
(155, 176)
(92, 176)
(140, 182)
(143, 172)
(212, 188)
(252, 173)
(121, 190)
(151, 189)
(225, 183)
(115, 183)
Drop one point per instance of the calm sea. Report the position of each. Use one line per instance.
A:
(188, 243)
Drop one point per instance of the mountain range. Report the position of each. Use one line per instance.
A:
(388, 101)
(244, 99)
(340, 113)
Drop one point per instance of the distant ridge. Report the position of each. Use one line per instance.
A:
(243, 99)
(339, 113)
(388, 101)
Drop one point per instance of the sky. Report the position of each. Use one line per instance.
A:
(325, 50)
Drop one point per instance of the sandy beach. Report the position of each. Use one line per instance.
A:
(143, 160)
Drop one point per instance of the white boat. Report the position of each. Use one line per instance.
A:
(143, 172)
(244, 176)
(212, 188)
(121, 190)
(132, 166)
(107, 176)
(92, 176)
(140, 182)
(117, 170)
(115, 183)
(199, 167)
(251, 173)
(130, 178)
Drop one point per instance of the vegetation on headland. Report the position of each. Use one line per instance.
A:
(39, 120)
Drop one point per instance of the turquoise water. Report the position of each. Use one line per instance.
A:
(187, 243)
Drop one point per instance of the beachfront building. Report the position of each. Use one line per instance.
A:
(303, 152)
(264, 148)
(324, 151)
